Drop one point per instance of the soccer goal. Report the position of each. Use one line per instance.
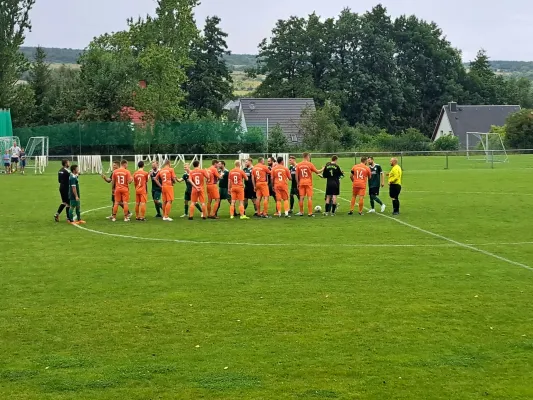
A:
(487, 147)
(37, 151)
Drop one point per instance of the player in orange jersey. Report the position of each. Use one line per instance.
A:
(304, 179)
(280, 176)
(360, 175)
(121, 180)
(140, 180)
(260, 174)
(212, 189)
(197, 178)
(166, 178)
(236, 179)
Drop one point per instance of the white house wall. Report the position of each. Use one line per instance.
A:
(445, 128)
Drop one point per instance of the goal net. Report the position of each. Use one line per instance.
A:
(37, 151)
(487, 147)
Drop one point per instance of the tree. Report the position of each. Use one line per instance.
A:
(65, 96)
(41, 82)
(209, 82)
(519, 129)
(320, 132)
(277, 141)
(14, 22)
(22, 105)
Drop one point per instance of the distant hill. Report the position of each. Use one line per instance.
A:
(511, 68)
(237, 62)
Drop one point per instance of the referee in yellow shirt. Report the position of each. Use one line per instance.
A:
(395, 185)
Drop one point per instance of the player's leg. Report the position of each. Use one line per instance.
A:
(309, 194)
(361, 202)
(327, 208)
(278, 203)
(333, 204)
(352, 202)
(232, 207)
(137, 207)
(265, 206)
(301, 192)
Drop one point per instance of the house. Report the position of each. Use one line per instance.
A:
(267, 113)
(457, 119)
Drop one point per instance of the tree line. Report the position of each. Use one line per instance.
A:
(377, 82)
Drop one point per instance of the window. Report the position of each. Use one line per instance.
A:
(294, 138)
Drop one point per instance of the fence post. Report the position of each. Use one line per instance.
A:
(447, 165)
(355, 158)
(492, 159)
(401, 160)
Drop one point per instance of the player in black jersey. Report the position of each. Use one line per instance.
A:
(332, 173)
(294, 183)
(271, 163)
(62, 177)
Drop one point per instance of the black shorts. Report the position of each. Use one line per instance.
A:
(14, 160)
(271, 191)
(332, 189)
(373, 191)
(294, 191)
(64, 195)
(394, 190)
(249, 193)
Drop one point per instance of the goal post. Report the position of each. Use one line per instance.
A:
(485, 146)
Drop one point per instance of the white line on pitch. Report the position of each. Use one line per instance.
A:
(464, 245)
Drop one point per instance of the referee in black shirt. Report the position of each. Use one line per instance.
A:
(62, 177)
(332, 173)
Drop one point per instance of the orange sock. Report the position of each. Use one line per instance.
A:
(143, 210)
(278, 206)
(204, 210)
(265, 207)
(168, 208)
(232, 210)
(191, 210)
(352, 204)
(137, 210)
(258, 206)
(286, 205)
(126, 209)
(214, 209)
(241, 209)
(310, 206)
(361, 204)
(301, 204)
(115, 209)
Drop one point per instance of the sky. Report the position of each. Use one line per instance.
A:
(504, 29)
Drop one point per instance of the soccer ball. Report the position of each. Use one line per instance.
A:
(318, 209)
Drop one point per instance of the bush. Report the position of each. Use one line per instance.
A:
(519, 129)
(446, 143)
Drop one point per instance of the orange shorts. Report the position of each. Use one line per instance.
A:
(261, 190)
(122, 195)
(168, 193)
(282, 193)
(237, 193)
(358, 191)
(141, 197)
(305, 190)
(212, 192)
(198, 196)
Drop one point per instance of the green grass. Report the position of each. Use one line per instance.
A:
(312, 314)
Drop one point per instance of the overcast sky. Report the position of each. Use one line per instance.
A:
(504, 29)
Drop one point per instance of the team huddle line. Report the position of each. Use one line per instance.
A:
(239, 186)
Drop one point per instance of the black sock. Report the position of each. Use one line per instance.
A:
(60, 209)
(395, 205)
(292, 202)
(377, 200)
(198, 207)
(328, 207)
(186, 209)
(372, 202)
(333, 208)
(158, 207)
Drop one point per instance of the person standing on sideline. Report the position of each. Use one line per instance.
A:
(377, 180)
(74, 197)
(15, 151)
(7, 162)
(22, 160)
(64, 189)
(395, 185)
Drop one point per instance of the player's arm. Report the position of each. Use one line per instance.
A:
(297, 176)
(105, 178)
(192, 183)
(382, 177)
(75, 191)
(352, 175)
(180, 180)
(156, 180)
(253, 179)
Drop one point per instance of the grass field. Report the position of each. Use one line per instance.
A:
(434, 304)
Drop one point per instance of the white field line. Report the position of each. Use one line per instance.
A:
(459, 193)
(186, 241)
(459, 244)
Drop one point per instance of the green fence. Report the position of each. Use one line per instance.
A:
(126, 138)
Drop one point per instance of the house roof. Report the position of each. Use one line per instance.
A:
(472, 118)
(285, 112)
